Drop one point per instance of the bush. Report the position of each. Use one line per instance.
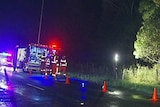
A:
(142, 75)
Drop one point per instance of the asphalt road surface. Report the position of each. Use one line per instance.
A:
(18, 89)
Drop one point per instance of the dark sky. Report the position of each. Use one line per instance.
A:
(83, 28)
(62, 19)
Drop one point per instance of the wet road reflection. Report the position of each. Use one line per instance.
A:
(24, 90)
(7, 98)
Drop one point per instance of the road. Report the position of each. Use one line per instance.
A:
(20, 89)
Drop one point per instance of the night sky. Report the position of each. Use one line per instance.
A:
(87, 30)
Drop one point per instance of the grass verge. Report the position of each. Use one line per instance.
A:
(99, 79)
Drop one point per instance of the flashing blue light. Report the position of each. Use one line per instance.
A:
(83, 92)
(5, 54)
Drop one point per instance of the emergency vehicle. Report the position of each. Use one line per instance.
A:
(29, 57)
(6, 59)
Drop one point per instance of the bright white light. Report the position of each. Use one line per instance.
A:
(3, 84)
(82, 84)
(115, 92)
(5, 54)
(82, 103)
(8, 69)
(2, 69)
(3, 60)
(116, 57)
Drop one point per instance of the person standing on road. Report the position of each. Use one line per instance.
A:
(63, 65)
(53, 64)
(57, 65)
(43, 63)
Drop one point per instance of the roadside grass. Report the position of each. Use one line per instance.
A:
(142, 79)
(148, 89)
(99, 79)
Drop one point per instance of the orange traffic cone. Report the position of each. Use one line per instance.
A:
(155, 95)
(30, 72)
(104, 87)
(67, 80)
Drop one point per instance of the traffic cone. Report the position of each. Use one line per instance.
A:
(155, 95)
(104, 87)
(46, 75)
(67, 80)
(30, 72)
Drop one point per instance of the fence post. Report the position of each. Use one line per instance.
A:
(156, 74)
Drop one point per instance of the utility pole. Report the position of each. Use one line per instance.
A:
(116, 59)
(40, 23)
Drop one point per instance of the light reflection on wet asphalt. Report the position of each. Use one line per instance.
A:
(7, 99)
(34, 91)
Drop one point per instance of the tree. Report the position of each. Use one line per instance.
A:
(147, 45)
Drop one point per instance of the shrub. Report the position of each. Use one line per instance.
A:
(142, 75)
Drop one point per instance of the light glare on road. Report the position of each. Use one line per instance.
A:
(115, 92)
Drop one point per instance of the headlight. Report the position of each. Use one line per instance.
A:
(3, 60)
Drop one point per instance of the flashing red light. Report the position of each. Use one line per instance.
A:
(54, 46)
(55, 43)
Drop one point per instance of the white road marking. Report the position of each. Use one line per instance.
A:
(35, 87)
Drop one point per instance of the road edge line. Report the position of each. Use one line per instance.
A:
(35, 87)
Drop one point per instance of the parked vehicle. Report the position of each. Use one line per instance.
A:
(29, 57)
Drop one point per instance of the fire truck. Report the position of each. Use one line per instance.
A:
(29, 57)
